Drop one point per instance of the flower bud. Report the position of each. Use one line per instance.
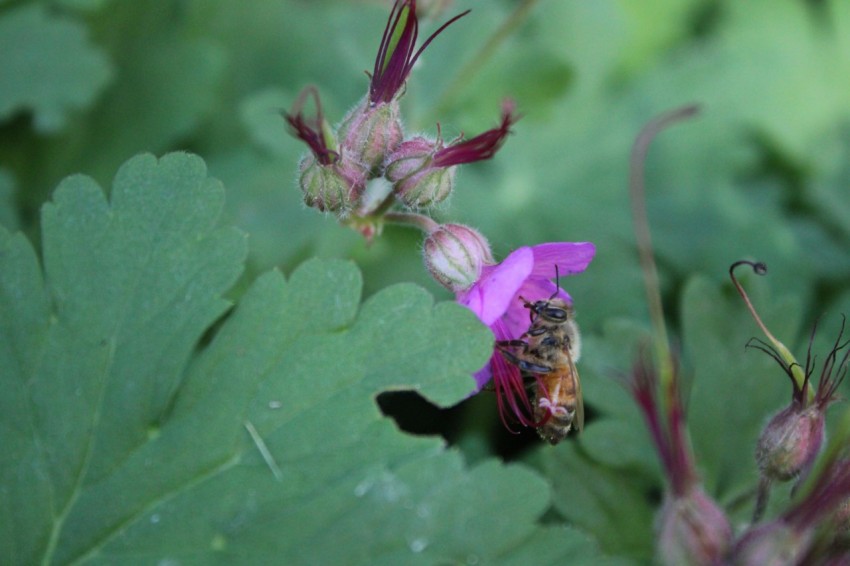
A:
(417, 182)
(693, 530)
(790, 442)
(332, 188)
(841, 520)
(369, 132)
(455, 255)
(773, 544)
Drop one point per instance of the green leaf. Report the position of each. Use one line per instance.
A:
(124, 442)
(94, 356)
(168, 84)
(49, 66)
(8, 209)
(83, 5)
(610, 502)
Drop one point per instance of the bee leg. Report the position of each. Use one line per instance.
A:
(512, 344)
(518, 358)
(513, 350)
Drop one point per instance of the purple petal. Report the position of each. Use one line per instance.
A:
(515, 321)
(535, 289)
(491, 295)
(570, 257)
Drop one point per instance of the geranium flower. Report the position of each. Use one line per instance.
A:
(495, 298)
(459, 258)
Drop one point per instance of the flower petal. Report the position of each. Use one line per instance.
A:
(515, 321)
(570, 257)
(490, 297)
(536, 289)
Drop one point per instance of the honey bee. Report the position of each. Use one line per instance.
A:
(546, 355)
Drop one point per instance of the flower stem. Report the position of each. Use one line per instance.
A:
(424, 223)
(488, 50)
(644, 238)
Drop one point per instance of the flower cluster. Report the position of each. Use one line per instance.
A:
(336, 176)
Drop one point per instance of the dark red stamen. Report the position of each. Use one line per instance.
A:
(481, 147)
(310, 130)
(670, 442)
(395, 54)
(831, 375)
(510, 393)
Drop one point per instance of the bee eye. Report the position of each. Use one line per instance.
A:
(555, 314)
(550, 341)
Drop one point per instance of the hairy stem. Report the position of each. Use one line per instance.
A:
(424, 223)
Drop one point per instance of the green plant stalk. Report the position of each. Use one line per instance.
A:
(643, 238)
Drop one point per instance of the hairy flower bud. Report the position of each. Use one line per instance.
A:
(417, 182)
(370, 131)
(841, 521)
(455, 255)
(790, 442)
(693, 530)
(330, 188)
(771, 544)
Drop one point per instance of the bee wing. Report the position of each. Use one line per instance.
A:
(578, 421)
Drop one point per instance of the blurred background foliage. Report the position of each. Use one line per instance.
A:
(763, 172)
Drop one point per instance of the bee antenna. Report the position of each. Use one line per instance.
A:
(557, 283)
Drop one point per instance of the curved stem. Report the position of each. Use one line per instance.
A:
(759, 268)
(487, 51)
(644, 238)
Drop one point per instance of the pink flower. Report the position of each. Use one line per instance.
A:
(495, 299)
